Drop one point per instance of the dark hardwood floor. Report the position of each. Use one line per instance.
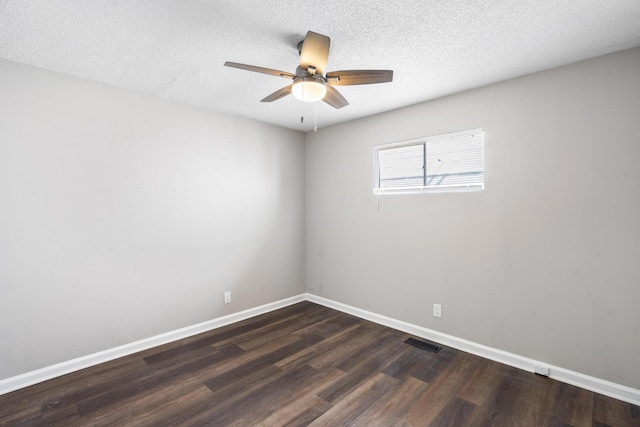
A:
(307, 365)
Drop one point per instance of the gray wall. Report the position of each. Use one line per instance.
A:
(545, 263)
(123, 216)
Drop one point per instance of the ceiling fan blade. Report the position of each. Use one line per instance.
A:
(280, 93)
(260, 70)
(334, 98)
(359, 77)
(315, 52)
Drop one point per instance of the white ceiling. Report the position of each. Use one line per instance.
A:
(176, 49)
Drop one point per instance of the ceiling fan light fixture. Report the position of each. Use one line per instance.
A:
(309, 89)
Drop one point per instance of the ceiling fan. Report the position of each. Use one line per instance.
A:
(310, 83)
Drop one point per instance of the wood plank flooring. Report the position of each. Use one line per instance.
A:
(307, 365)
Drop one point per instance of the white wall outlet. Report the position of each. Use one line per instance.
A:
(437, 310)
(541, 370)
(227, 297)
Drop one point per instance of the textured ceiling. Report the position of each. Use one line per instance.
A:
(176, 49)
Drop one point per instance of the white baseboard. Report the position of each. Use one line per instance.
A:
(607, 388)
(49, 372)
(597, 385)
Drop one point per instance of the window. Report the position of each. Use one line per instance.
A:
(448, 162)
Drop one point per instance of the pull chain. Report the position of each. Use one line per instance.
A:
(302, 104)
(315, 117)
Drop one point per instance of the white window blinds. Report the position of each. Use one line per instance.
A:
(448, 162)
(403, 167)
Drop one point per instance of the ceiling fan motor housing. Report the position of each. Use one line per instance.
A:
(310, 72)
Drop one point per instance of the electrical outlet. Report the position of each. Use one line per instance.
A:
(437, 310)
(541, 370)
(227, 297)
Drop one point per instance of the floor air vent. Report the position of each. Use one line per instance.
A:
(423, 345)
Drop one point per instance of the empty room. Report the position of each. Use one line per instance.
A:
(414, 213)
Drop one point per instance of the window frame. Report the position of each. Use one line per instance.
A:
(426, 187)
